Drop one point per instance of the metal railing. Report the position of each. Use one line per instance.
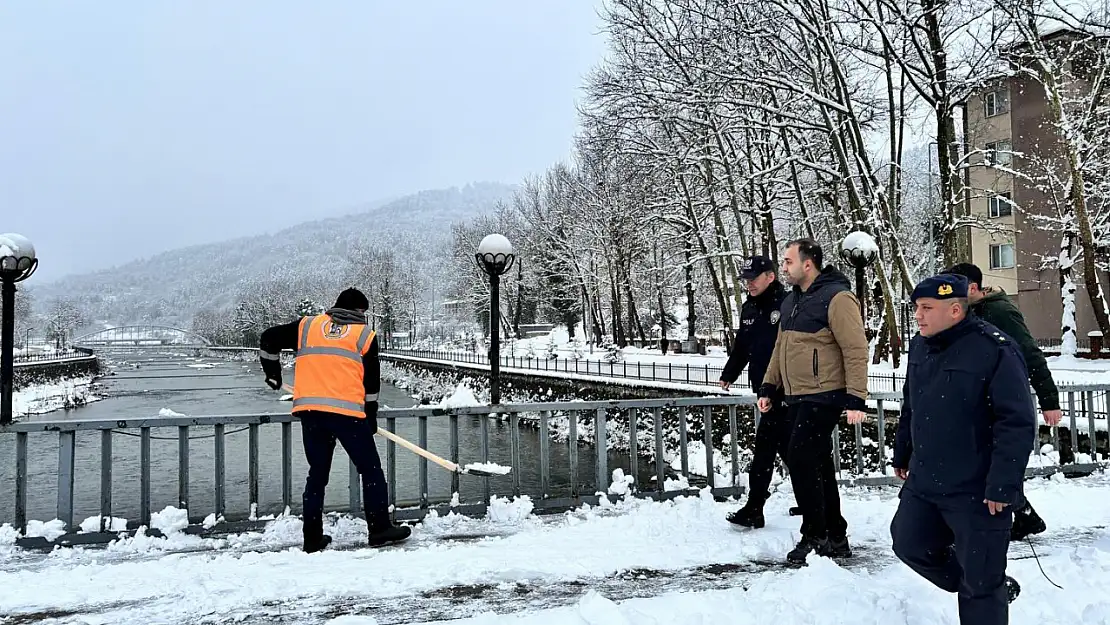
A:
(58, 356)
(682, 373)
(641, 429)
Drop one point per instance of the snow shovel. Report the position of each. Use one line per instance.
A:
(490, 470)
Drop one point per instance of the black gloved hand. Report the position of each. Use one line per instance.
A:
(371, 408)
(274, 383)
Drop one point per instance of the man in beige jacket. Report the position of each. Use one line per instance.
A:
(820, 364)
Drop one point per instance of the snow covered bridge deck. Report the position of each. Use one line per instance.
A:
(636, 561)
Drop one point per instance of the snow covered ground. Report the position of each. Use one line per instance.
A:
(1067, 370)
(43, 398)
(634, 562)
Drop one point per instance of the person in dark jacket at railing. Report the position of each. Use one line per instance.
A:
(964, 437)
(751, 348)
(995, 307)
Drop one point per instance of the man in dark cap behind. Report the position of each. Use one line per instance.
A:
(752, 347)
(965, 433)
(337, 379)
(991, 304)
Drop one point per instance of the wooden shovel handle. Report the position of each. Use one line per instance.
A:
(420, 451)
(416, 449)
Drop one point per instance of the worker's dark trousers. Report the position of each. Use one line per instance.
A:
(960, 547)
(772, 438)
(319, 431)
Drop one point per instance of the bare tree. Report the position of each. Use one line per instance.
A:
(1071, 61)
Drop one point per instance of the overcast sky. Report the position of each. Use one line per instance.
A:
(129, 128)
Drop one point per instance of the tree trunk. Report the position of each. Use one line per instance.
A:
(519, 298)
(951, 187)
(618, 324)
(660, 281)
(633, 314)
(691, 307)
(1087, 242)
(795, 183)
(1068, 344)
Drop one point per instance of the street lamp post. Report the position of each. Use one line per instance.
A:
(17, 263)
(495, 257)
(932, 212)
(859, 250)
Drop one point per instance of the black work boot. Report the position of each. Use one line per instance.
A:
(314, 537)
(1026, 523)
(1013, 589)
(804, 547)
(751, 514)
(383, 532)
(835, 548)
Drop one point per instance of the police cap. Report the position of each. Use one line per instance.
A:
(943, 286)
(756, 266)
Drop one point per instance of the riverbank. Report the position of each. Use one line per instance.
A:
(64, 394)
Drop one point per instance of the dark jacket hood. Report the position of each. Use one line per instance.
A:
(830, 277)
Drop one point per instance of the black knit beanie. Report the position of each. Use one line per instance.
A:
(973, 273)
(352, 299)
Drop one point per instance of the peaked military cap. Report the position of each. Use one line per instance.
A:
(943, 286)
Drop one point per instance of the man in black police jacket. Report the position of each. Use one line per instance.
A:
(964, 437)
(752, 347)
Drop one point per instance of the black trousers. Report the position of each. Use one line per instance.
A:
(319, 432)
(772, 438)
(960, 547)
(810, 461)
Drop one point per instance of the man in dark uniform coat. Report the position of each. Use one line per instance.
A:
(964, 438)
(752, 347)
(993, 305)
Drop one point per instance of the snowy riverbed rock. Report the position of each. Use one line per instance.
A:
(463, 396)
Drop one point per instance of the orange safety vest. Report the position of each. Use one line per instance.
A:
(328, 371)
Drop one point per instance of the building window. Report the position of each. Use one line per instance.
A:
(1000, 205)
(996, 102)
(1002, 256)
(998, 153)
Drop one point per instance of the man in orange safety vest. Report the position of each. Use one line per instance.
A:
(337, 380)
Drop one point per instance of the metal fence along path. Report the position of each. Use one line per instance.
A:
(698, 436)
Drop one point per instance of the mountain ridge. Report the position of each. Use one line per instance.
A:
(171, 286)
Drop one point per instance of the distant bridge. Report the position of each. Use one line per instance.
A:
(143, 336)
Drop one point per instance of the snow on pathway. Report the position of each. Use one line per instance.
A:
(656, 559)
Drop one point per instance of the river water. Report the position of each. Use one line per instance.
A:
(143, 384)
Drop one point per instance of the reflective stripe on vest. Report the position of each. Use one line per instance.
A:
(306, 323)
(328, 372)
(328, 402)
(330, 351)
(364, 339)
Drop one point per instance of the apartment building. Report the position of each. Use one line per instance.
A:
(1008, 118)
